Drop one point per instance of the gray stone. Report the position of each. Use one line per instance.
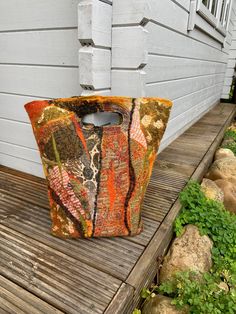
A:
(189, 252)
(223, 286)
(212, 191)
(229, 189)
(223, 169)
(161, 305)
(224, 153)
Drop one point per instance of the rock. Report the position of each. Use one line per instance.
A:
(224, 153)
(223, 286)
(190, 251)
(212, 191)
(232, 127)
(222, 169)
(229, 189)
(161, 305)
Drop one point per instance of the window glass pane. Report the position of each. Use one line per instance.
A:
(214, 7)
(222, 11)
(227, 14)
(206, 3)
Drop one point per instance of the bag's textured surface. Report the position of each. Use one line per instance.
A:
(97, 176)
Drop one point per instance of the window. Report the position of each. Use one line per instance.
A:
(211, 6)
(211, 16)
(224, 14)
(216, 12)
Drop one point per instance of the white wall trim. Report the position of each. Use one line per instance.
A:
(94, 35)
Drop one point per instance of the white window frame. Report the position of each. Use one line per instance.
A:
(206, 13)
(210, 24)
(223, 27)
(214, 20)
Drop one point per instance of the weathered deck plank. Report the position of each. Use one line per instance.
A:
(34, 222)
(96, 275)
(16, 300)
(58, 279)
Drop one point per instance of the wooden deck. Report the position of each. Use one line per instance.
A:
(43, 274)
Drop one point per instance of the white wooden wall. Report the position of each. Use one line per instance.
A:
(231, 42)
(43, 55)
(154, 54)
(60, 48)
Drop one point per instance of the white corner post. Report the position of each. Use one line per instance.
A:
(94, 34)
(192, 14)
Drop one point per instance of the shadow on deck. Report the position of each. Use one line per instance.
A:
(43, 274)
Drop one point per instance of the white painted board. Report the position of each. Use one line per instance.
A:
(183, 104)
(134, 12)
(35, 14)
(128, 83)
(129, 47)
(95, 67)
(47, 82)
(22, 165)
(184, 3)
(182, 87)
(163, 41)
(20, 152)
(12, 107)
(94, 23)
(178, 125)
(48, 47)
(162, 68)
(18, 133)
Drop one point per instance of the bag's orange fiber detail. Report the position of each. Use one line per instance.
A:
(97, 176)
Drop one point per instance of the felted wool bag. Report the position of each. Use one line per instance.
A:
(97, 175)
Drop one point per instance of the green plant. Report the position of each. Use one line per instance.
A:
(205, 295)
(230, 134)
(231, 93)
(213, 220)
(202, 296)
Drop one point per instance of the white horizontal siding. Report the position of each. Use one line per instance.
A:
(205, 39)
(162, 41)
(40, 54)
(184, 3)
(19, 133)
(35, 14)
(132, 12)
(38, 60)
(187, 67)
(162, 68)
(185, 103)
(48, 47)
(46, 81)
(20, 151)
(186, 70)
(43, 56)
(22, 164)
(231, 45)
(177, 126)
(12, 106)
(183, 87)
